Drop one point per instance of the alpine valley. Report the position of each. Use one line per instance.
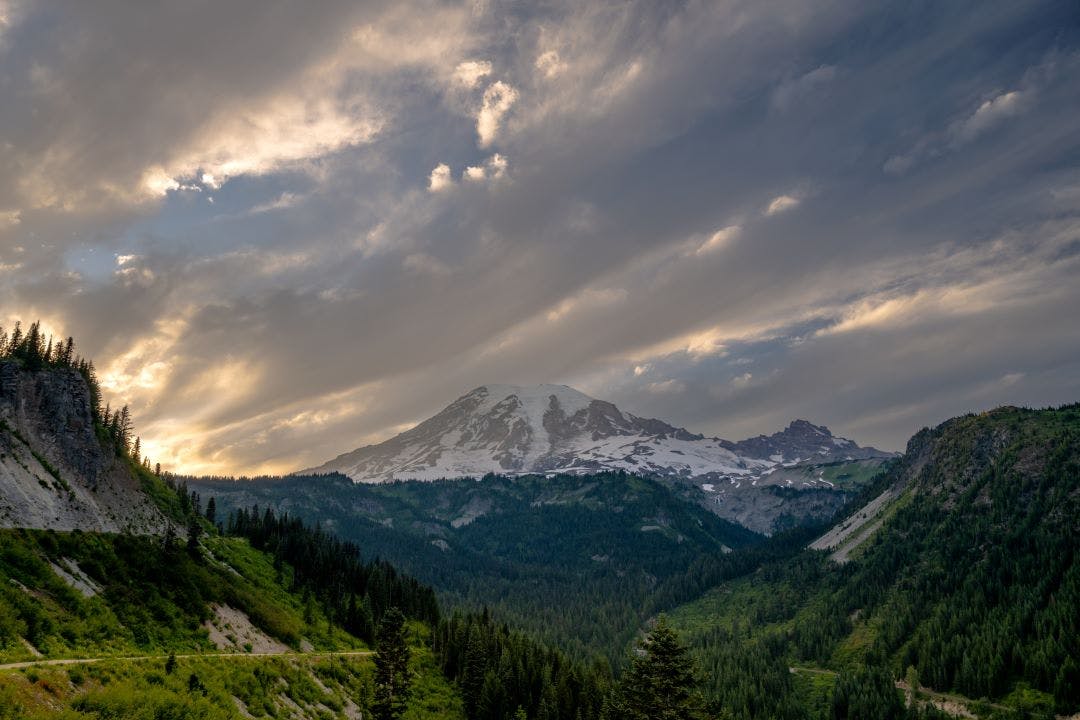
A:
(398, 360)
(571, 551)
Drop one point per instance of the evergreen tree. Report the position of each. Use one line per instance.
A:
(124, 427)
(660, 683)
(193, 533)
(391, 667)
(472, 680)
(866, 694)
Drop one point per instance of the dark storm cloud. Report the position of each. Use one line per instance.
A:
(723, 214)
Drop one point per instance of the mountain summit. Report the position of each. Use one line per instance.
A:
(511, 429)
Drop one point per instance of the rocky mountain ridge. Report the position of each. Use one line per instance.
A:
(545, 429)
(508, 429)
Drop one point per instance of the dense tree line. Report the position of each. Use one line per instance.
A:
(356, 594)
(981, 580)
(502, 673)
(587, 587)
(34, 351)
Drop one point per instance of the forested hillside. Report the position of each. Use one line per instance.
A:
(275, 619)
(200, 615)
(582, 561)
(971, 586)
(956, 591)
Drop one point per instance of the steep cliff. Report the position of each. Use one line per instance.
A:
(55, 471)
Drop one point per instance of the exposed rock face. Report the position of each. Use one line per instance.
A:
(507, 429)
(54, 472)
(801, 440)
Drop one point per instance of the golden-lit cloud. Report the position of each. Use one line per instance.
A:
(335, 218)
(590, 299)
(440, 178)
(284, 133)
(471, 72)
(137, 375)
(499, 97)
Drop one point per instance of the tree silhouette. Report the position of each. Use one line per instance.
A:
(660, 683)
(391, 667)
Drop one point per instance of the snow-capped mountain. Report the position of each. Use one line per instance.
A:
(510, 429)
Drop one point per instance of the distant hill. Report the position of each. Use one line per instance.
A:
(763, 483)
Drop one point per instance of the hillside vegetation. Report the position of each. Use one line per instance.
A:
(183, 617)
(971, 586)
(178, 634)
(581, 561)
(957, 591)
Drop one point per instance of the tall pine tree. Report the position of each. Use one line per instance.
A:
(391, 667)
(660, 683)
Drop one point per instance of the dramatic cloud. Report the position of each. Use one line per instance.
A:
(440, 178)
(471, 72)
(285, 230)
(498, 99)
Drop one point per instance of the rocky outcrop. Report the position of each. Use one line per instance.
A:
(802, 440)
(55, 473)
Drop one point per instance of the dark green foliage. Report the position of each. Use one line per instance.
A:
(660, 683)
(978, 576)
(354, 593)
(193, 533)
(195, 685)
(567, 558)
(392, 681)
(866, 694)
(500, 672)
(153, 596)
(973, 581)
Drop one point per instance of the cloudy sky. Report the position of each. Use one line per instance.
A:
(287, 229)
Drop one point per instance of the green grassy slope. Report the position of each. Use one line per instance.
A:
(150, 597)
(314, 686)
(151, 600)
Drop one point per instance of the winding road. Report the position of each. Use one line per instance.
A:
(147, 658)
